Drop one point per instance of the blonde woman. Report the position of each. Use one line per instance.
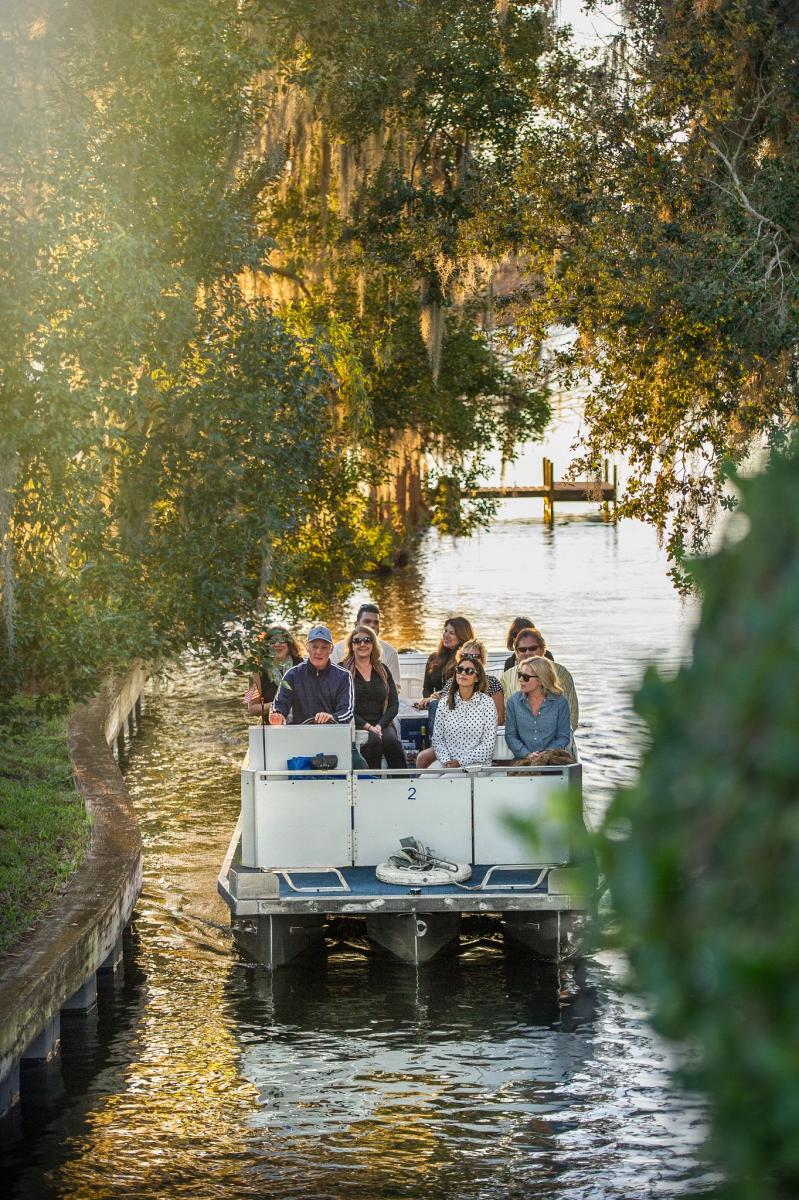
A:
(475, 651)
(537, 717)
(376, 700)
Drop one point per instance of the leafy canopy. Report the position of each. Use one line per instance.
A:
(706, 881)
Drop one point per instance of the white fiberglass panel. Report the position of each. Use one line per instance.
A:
(302, 822)
(271, 746)
(435, 809)
(531, 797)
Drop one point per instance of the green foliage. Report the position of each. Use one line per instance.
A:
(164, 435)
(44, 826)
(408, 121)
(444, 65)
(658, 207)
(706, 881)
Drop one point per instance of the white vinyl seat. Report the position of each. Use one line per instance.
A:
(502, 750)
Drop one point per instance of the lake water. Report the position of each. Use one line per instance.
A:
(482, 1078)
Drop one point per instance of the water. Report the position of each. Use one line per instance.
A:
(356, 1079)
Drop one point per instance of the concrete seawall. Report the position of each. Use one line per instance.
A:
(55, 967)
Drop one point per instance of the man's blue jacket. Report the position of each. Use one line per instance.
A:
(304, 692)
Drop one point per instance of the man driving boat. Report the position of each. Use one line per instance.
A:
(316, 691)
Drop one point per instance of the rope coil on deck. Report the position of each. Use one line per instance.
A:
(416, 865)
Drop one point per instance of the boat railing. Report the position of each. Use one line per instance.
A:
(307, 818)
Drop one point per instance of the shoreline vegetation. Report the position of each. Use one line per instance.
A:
(45, 829)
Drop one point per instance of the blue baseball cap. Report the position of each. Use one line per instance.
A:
(320, 633)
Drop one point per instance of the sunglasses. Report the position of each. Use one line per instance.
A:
(465, 671)
(281, 642)
(526, 677)
(361, 641)
(470, 658)
(527, 649)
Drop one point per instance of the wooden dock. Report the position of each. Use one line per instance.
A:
(602, 491)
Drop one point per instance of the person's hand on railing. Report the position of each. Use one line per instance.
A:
(276, 718)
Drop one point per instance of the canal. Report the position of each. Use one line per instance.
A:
(202, 1076)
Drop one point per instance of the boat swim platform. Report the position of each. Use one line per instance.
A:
(278, 916)
(356, 891)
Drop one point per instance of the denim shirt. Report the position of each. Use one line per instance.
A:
(526, 734)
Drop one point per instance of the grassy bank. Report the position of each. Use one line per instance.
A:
(44, 826)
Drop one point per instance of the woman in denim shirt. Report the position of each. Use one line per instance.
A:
(537, 717)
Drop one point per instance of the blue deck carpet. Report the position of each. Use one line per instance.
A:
(364, 882)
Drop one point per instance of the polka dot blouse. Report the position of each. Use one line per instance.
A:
(467, 732)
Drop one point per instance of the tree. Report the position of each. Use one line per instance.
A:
(129, 196)
(395, 123)
(657, 206)
(705, 880)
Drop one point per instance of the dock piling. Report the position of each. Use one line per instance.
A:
(47, 1044)
(83, 1000)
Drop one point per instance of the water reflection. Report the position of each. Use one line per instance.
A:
(475, 1076)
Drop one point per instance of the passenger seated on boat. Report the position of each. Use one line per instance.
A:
(465, 727)
(475, 651)
(276, 650)
(537, 717)
(471, 651)
(516, 626)
(369, 614)
(530, 643)
(376, 700)
(440, 665)
(315, 691)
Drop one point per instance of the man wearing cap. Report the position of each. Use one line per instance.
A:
(316, 690)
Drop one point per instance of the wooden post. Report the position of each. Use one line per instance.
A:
(549, 484)
(615, 484)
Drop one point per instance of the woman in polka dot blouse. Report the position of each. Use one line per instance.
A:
(465, 727)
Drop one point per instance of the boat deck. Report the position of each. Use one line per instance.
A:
(362, 881)
(357, 890)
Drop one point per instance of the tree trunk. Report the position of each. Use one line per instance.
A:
(9, 469)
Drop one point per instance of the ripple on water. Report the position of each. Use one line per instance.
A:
(354, 1079)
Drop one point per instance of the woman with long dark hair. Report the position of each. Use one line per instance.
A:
(465, 727)
(475, 651)
(376, 700)
(441, 664)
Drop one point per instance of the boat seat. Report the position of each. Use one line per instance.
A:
(502, 751)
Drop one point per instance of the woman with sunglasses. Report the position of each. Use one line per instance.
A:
(441, 663)
(537, 717)
(277, 651)
(376, 700)
(465, 727)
